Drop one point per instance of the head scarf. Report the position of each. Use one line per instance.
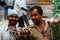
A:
(12, 12)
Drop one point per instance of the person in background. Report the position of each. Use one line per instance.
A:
(9, 5)
(20, 6)
(40, 30)
(5, 31)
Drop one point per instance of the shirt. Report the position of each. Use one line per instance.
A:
(18, 5)
(10, 2)
(5, 33)
(36, 33)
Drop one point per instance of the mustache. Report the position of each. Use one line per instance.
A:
(34, 19)
(13, 20)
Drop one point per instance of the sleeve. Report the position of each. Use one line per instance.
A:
(21, 3)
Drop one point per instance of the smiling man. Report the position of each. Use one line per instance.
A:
(12, 21)
(40, 30)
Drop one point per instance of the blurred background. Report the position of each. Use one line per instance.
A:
(48, 6)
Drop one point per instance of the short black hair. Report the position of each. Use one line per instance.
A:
(40, 11)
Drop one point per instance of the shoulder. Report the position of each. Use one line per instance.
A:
(46, 23)
(2, 28)
(31, 26)
(3, 25)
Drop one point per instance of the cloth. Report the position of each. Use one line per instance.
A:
(12, 12)
(18, 5)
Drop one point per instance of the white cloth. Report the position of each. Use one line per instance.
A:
(18, 5)
(5, 33)
(12, 12)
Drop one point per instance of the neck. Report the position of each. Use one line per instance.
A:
(39, 23)
(42, 23)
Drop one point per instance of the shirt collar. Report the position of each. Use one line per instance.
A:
(45, 28)
(7, 28)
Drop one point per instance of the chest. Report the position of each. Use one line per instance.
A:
(6, 35)
(38, 35)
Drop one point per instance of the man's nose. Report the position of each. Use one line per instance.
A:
(33, 17)
(13, 18)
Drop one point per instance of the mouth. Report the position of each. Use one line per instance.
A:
(35, 21)
(13, 22)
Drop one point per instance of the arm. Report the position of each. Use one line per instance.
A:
(22, 5)
(24, 9)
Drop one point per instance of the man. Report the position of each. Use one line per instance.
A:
(20, 6)
(40, 30)
(9, 5)
(5, 32)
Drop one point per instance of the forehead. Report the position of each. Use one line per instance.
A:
(35, 11)
(13, 15)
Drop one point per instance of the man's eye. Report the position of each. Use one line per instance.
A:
(35, 15)
(11, 16)
(16, 16)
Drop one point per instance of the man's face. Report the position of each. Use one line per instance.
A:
(35, 16)
(13, 19)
